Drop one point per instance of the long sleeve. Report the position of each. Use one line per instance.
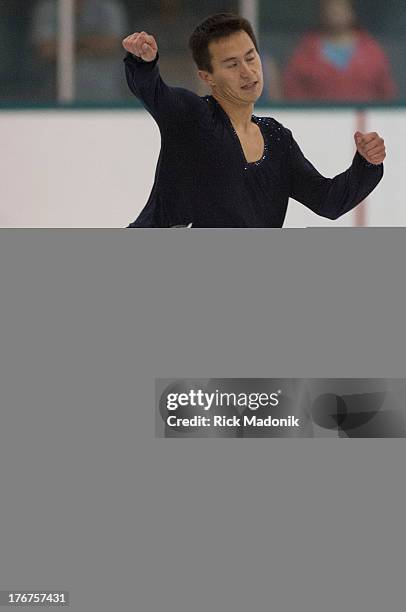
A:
(164, 103)
(330, 197)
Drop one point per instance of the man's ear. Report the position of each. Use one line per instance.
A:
(206, 77)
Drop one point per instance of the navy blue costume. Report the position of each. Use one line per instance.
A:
(203, 178)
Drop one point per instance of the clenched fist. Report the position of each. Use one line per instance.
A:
(142, 45)
(371, 146)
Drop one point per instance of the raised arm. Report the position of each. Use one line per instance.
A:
(142, 45)
(333, 197)
(164, 103)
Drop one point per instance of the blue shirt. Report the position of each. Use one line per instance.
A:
(202, 176)
(338, 54)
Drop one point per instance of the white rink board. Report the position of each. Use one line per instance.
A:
(392, 206)
(96, 168)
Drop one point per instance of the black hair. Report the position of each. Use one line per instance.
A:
(215, 27)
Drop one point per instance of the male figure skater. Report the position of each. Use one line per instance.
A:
(220, 165)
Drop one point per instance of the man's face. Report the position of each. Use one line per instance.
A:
(236, 69)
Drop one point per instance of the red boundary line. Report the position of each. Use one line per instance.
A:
(360, 213)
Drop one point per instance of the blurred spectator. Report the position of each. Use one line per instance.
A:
(100, 26)
(339, 62)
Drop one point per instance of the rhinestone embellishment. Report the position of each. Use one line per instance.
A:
(259, 121)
